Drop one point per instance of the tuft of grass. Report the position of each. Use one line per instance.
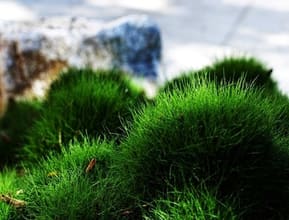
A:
(83, 101)
(60, 187)
(191, 203)
(14, 126)
(282, 122)
(228, 70)
(9, 185)
(224, 136)
(233, 69)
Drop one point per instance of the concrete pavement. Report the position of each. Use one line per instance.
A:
(195, 32)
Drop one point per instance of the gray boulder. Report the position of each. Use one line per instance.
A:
(33, 53)
(134, 43)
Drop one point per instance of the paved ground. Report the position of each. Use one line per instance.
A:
(195, 32)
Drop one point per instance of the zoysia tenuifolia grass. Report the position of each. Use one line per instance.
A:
(221, 135)
(228, 70)
(82, 101)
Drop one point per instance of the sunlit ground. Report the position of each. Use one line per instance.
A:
(194, 32)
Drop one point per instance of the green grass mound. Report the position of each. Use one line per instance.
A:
(222, 135)
(82, 101)
(228, 70)
(14, 127)
(194, 204)
(9, 186)
(61, 187)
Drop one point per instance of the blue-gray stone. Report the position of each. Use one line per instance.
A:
(135, 44)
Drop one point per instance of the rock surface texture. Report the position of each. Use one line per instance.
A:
(33, 53)
(134, 44)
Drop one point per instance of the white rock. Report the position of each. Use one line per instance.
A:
(36, 51)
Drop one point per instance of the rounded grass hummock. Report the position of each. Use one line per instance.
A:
(14, 126)
(192, 203)
(228, 70)
(10, 186)
(63, 187)
(83, 101)
(224, 136)
(250, 69)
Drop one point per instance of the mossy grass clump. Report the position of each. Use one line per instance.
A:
(250, 69)
(192, 203)
(82, 101)
(224, 136)
(14, 126)
(228, 70)
(63, 187)
(9, 186)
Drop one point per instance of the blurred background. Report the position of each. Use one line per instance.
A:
(194, 32)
